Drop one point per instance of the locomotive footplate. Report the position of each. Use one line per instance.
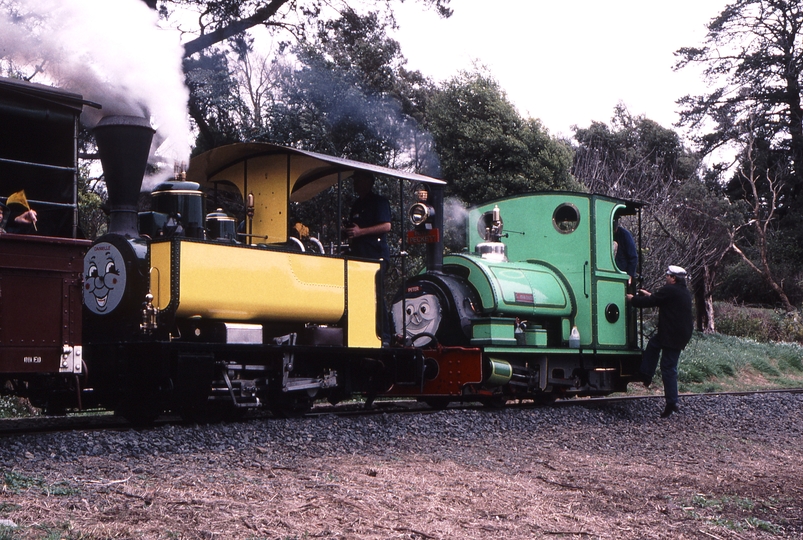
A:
(447, 371)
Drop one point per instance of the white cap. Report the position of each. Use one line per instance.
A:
(676, 271)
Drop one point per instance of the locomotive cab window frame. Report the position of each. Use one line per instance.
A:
(566, 218)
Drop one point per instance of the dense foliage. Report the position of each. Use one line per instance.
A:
(752, 57)
(486, 149)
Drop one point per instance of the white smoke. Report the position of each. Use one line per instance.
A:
(111, 52)
(455, 217)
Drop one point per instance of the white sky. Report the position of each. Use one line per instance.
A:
(565, 62)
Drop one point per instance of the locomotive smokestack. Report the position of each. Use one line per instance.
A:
(124, 143)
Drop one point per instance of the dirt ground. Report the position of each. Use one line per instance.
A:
(666, 479)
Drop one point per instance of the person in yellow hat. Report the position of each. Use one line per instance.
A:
(675, 327)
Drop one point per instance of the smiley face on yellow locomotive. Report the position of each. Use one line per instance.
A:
(104, 278)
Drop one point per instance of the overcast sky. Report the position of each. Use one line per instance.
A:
(565, 62)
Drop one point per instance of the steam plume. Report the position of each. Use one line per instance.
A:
(455, 216)
(112, 53)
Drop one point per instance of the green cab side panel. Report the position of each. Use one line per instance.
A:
(515, 289)
(610, 297)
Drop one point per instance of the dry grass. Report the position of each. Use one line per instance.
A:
(668, 482)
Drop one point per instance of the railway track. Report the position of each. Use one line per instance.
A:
(104, 420)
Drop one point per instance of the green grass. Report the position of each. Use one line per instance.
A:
(734, 513)
(16, 482)
(12, 407)
(718, 362)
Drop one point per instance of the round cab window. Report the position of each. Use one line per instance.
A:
(485, 222)
(566, 218)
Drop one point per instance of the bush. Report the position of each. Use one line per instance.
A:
(740, 281)
(761, 324)
(14, 407)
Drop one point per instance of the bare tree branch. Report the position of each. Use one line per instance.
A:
(259, 16)
(760, 221)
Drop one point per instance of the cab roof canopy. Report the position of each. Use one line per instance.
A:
(310, 172)
(278, 176)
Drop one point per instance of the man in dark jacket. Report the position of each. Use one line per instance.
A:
(369, 221)
(675, 326)
(367, 233)
(626, 252)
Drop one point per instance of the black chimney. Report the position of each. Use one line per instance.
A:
(124, 143)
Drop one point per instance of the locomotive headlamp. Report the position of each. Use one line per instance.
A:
(420, 213)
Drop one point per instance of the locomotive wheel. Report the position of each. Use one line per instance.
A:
(141, 407)
(494, 402)
(199, 413)
(55, 408)
(234, 414)
(437, 403)
(139, 414)
(290, 405)
(545, 398)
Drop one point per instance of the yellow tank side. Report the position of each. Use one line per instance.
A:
(237, 283)
(362, 297)
(160, 274)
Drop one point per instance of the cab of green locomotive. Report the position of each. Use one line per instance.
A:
(571, 234)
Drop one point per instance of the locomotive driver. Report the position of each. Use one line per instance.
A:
(367, 233)
(675, 327)
(370, 219)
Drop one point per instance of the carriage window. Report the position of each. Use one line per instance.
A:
(566, 218)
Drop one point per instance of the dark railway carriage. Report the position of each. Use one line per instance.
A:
(40, 273)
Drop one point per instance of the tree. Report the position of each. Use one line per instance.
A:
(486, 149)
(634, 158)
(350, 95)
(220, 20)
(693, 228)
(687, 220)
(753, 56)
(215, 105)
(761, 215)
(221, 27)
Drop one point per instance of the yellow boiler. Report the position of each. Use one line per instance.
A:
(241, 283)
